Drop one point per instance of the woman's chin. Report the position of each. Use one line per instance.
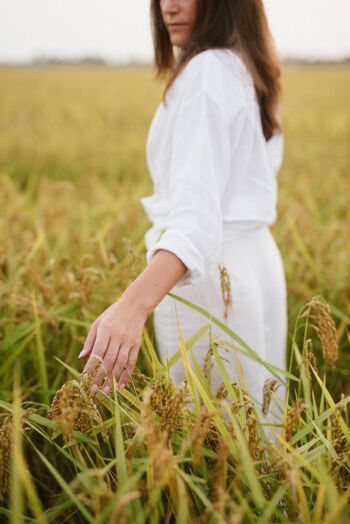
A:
(177, 41)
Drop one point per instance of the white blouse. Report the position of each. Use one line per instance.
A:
(211, 166)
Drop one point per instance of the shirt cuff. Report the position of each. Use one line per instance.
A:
(184, 249)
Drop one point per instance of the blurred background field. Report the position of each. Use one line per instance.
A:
(73, 167)
(72, 170)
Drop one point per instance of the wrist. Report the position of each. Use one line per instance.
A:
(133, 299)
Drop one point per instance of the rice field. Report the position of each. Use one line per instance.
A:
(72, 170)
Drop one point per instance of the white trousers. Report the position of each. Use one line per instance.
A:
(258, 315)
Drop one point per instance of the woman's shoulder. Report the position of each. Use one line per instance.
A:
(218, 58)
(218, 72)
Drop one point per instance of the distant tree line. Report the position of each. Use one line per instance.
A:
(314, 61)
(97, 60)
(44, 60)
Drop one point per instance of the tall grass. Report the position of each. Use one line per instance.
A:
(72, 169)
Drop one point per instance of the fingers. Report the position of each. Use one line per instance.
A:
(110, 356)
(130, 366)
(89, 342)
(115, 356)
(123, 372)
(98, 350)
(119, 364)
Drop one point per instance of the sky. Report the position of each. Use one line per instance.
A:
(119, 30)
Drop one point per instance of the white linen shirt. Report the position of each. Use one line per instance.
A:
(211, 166)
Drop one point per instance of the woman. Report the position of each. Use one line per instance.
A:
(214, 150)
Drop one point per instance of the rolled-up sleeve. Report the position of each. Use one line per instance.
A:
(198, 170)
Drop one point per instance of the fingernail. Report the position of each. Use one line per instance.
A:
(106, 389)
(94, 388)
(83, 352)
(122, 386)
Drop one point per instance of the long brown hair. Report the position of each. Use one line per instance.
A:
(239, 24)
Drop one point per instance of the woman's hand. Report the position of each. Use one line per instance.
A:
(115, 337)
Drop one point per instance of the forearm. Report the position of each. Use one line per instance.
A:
(148, 289)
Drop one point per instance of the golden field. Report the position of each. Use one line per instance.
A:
(72, 170)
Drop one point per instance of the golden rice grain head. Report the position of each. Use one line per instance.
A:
(270, 385)
(169, 403)
(207, 362)
(225, 283)
(326, 329)
(254, 440)
(220, 494)
(308, 358)
(239, 403)
(199, 433)
(6, 442)
(156, 439)
(217, 475)
(5, 452)
(150, 428)
(221, 392)
(339, 440)
(214, 438)
(236, 406)
(293, 417)
(73, 408)
(219, 470)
